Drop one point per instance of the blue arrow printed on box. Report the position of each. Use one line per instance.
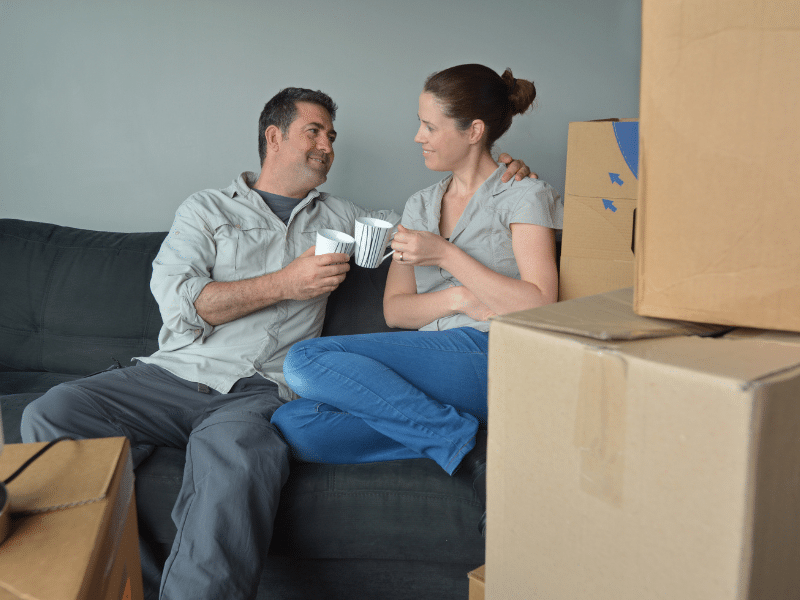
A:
(609, 205)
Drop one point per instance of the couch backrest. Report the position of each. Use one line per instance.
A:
(356, 306)
(73, 300)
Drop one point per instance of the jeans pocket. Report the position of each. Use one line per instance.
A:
(113, 367)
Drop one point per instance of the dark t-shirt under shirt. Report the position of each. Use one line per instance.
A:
(282, 206)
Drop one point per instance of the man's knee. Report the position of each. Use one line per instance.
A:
(241, 444)
(46, 417)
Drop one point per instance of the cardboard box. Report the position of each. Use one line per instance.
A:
(719, 207)
(477, 583)
(599, 202)
(631, 458)
(73, 532)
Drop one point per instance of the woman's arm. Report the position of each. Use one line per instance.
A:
(403, 307)
(486, 293)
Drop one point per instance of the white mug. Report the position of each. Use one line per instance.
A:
(372, 236)
(330, 240)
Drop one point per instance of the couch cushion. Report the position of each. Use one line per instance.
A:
(296, 578)
(23, 382)
(74, 300)
(396, 510)
(399, 510)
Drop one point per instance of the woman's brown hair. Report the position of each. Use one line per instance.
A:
(470, 92)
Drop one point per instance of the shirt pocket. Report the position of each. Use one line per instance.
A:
(308, 238)
(242, 250)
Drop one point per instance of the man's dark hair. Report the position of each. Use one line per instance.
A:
(281, 111)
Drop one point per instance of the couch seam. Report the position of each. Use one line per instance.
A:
(45, 302)
(79, 246)
(399, 494)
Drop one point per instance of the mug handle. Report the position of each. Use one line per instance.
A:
(385, 256)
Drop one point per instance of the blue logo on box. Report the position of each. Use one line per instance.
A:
(627, 134)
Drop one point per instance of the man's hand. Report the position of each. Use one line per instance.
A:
(515, 168)
(306, 277)
(309, 276)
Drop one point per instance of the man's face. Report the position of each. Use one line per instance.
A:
(306, 150)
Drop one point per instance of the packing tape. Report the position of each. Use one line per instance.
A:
(600, 424)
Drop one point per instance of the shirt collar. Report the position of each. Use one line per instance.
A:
(495, 183)
(243, 185)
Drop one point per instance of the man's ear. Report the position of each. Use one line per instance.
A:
(476, 131)
(274, 136)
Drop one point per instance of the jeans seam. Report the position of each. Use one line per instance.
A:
(178, 543)
(459, 454)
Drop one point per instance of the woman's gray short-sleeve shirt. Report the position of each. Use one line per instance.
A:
(483, 231)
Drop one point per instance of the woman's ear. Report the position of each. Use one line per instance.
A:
(476, 131)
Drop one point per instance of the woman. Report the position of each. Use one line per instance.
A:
(468, 248)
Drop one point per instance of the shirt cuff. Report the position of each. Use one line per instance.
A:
(189, 294)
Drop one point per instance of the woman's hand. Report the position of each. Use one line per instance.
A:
(466, 302)
(419, 248)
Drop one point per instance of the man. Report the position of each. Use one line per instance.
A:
(237, 283)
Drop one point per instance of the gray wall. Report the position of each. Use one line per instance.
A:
(112, 112)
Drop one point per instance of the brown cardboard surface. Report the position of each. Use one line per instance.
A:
(718, 209)
(73, 531)
(599, 201)
(653, 468)
(477, 583)
(607, 316)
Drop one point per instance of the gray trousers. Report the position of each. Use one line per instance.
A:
(236, 465)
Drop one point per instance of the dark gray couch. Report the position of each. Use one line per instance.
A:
(72, 302)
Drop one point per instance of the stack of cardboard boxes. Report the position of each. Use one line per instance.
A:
(645, 442)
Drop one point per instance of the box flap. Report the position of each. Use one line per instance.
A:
(478, 574)
(65, 479)
(72, 506)
(607, 316)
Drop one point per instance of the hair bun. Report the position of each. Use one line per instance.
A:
(521, 92)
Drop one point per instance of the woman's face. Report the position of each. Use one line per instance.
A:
(444, 146)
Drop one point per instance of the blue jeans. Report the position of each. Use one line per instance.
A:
(386, 396)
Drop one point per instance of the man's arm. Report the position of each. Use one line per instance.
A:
(192, 302)
(306, 277)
